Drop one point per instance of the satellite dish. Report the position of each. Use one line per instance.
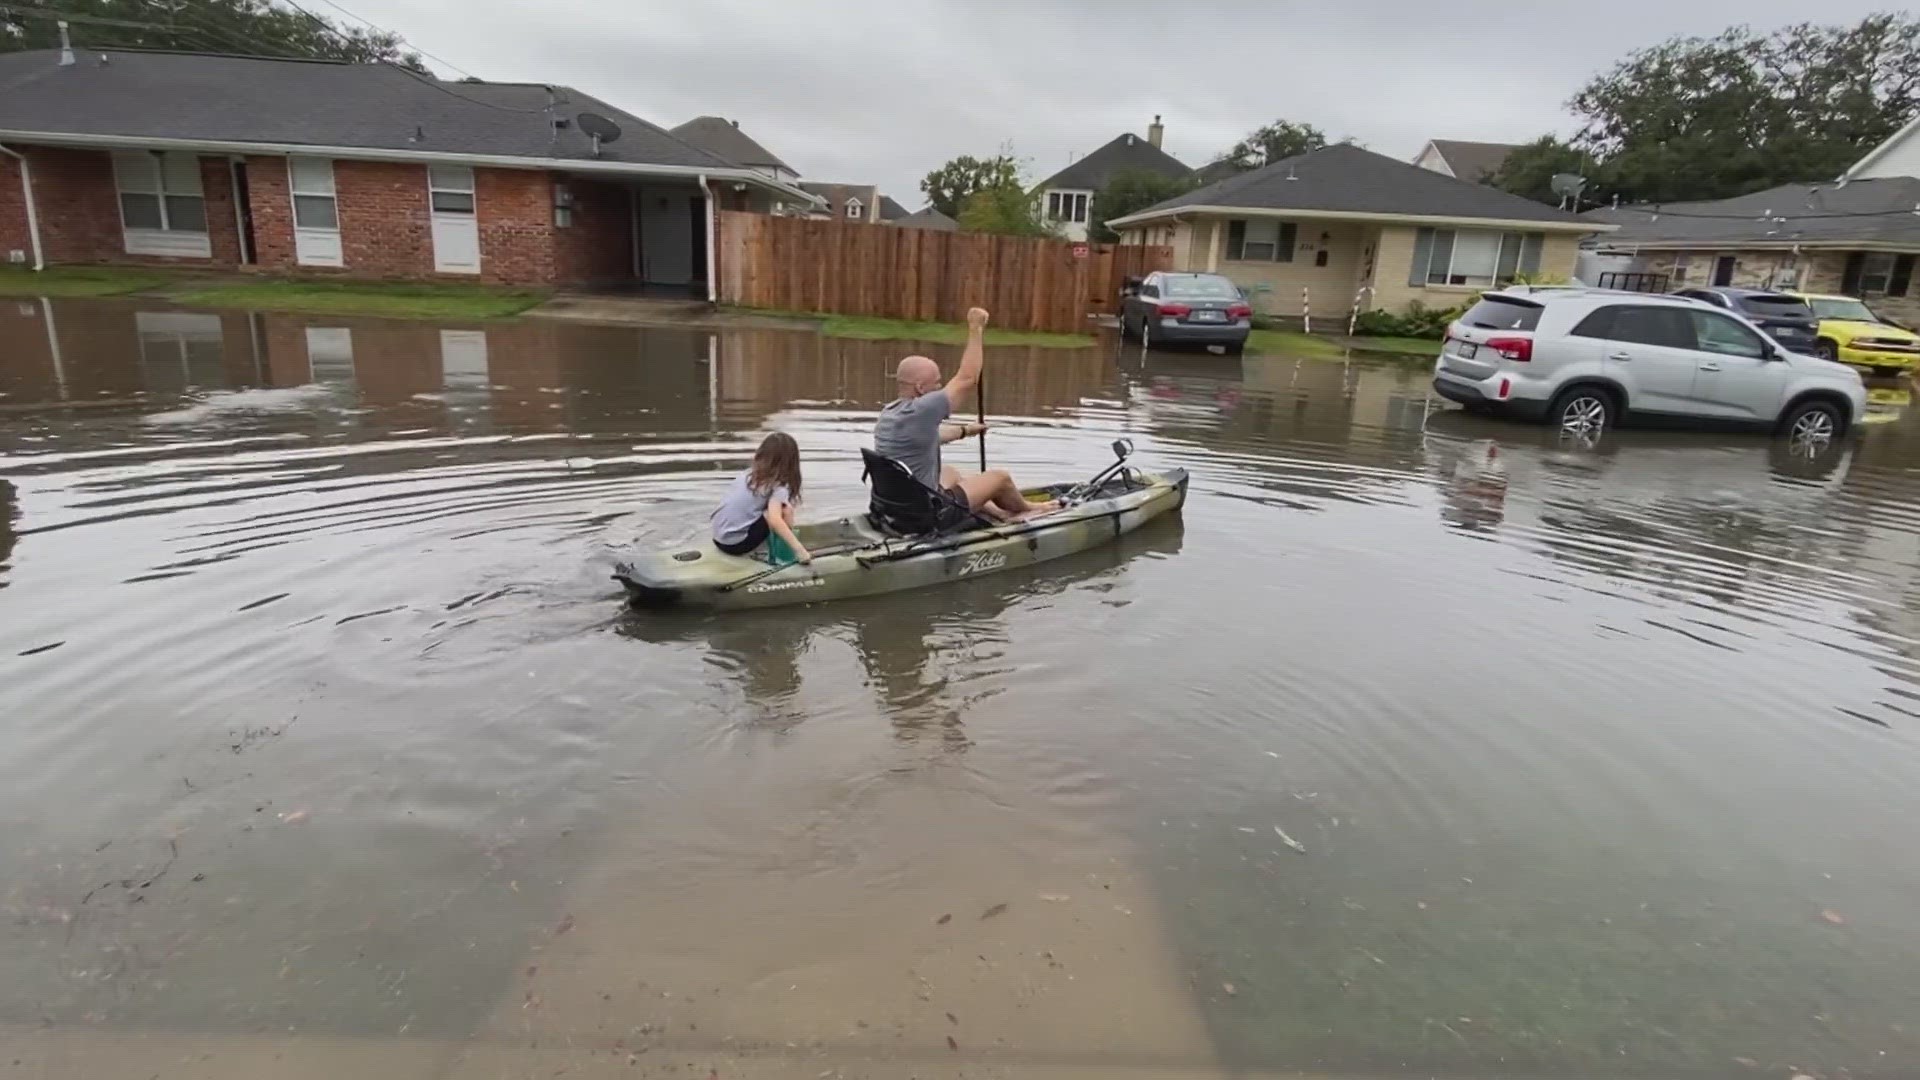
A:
(1567, 185)
(602, 129)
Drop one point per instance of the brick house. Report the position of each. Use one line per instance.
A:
(356, 170)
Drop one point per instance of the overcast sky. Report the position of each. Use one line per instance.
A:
(882, 91)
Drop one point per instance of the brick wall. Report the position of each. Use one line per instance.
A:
(79, 209)
(598, 246)
(515, 210)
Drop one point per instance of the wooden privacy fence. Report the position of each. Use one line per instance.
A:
(883, 271)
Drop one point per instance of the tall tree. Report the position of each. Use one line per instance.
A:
(1131, 190)
(1530, 169)
(1005, 209)
(948, 187)
(1706, 118)
(252, 27)
(1270, 143)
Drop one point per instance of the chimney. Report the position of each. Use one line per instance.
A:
(66, 45)
(736, 123)
(1156, 131)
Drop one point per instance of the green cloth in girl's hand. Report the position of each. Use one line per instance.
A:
(778, 553)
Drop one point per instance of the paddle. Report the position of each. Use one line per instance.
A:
(980, 390)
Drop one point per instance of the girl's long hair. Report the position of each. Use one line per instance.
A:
(776, 464)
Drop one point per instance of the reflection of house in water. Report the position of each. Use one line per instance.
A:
(9, 510)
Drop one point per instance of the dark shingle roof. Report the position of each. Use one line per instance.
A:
(165, 95)
(723, 138)
(1475, 161)
(1860, 211)
(929, 218)
(890, 210)
(1347, 179)
(1123, 153)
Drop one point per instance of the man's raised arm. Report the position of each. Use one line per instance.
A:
(972, 360)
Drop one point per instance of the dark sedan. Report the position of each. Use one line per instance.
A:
(1166, 308)
(1787, 319)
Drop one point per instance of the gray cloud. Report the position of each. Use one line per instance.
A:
(881, 91)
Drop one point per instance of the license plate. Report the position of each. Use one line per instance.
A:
(1465, 350)
(1209, 316)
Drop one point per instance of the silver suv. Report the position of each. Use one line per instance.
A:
(1582, 358)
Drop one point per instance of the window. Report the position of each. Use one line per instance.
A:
(1503, 313)
(1067, 205)
(853, 209)
(1670, 327)
(1201, 287)
(1719, 334)
(1260, 240)
(314, 203)
(1877, 273)
(450, 189)
(160, 192)
(1473, 257)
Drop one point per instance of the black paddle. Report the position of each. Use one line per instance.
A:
(980, 389)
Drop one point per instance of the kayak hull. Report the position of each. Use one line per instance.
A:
(852, 558)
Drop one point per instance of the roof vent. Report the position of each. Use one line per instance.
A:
(736, 123)
(1130, 140)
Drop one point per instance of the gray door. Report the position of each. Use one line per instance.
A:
(1649, 350)
(1735, 376)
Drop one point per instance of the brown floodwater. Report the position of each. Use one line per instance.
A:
(1420, 745)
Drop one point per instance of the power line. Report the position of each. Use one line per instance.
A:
(376, 27)
(427, 79)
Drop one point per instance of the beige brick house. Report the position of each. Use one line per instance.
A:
(1343, 226)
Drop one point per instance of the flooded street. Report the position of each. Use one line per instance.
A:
(1421, 745)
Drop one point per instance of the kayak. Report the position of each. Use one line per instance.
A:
(857, 556)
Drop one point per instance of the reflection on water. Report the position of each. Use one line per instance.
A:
(322, 734)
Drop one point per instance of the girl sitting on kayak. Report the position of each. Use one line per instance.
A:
(759, 504)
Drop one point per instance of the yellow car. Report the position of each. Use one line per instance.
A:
(1851, 333)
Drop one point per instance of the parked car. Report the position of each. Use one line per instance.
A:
(1787, 319)
(1166, 308)
(1852, 333)
(1582, 359)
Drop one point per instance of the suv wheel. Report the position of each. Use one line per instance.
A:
(1582, 410)
(1812, 426)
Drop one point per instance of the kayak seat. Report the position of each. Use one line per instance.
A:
(901, 504)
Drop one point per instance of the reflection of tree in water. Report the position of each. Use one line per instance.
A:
(9, 509)
(919, 649)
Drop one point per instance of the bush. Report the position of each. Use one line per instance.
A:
(1418, 321)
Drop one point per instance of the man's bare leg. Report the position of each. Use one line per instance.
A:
(995, 490)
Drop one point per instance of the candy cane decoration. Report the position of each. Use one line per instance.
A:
(1306, 314)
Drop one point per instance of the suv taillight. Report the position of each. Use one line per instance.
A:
(1511, 348)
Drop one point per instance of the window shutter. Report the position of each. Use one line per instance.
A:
(1902, 278)
(1236, 240)
(1422, 254)
(1288, 232)
(1442, 257)
(1530, 246)
(1850, 277)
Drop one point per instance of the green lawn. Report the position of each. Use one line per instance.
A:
(1409, 346)
(856, 326)
(397, 301)
(68, 281)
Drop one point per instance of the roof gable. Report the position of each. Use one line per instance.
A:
(206, 97)
(1123, 153)
(1474, 161)
(1347, 179)
(723, 138)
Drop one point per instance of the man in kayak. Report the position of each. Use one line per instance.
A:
(912, 428)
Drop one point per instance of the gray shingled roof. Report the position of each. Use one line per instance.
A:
(1860, 211)
(166, 95)
(1347, 179)
(1475, 161)
(723, 138)
(929, 218)
(890, 210)
(1124, 152)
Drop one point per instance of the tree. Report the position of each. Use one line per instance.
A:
(948, 187)
(1530, 169)
(1129, 191)
(1266, 145)
(251, 27)
(1005, 209)
(1707, 118)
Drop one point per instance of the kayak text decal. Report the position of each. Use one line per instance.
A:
(982, 563)
(778, 586)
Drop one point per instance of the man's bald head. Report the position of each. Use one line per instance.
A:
(917, 375)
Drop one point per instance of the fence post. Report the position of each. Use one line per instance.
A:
(1306, 315)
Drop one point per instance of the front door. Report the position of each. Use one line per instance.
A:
(456, 232)
(1723, 270)
(1735, 374)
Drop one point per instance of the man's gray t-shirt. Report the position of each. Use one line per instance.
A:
(741, 507)
(908, 431)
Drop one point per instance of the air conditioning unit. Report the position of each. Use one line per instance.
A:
(16, 256)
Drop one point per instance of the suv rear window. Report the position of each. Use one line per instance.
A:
(1503, 313)
(1777, 307)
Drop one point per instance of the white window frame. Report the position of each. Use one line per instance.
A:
(854, 209)
(1066, 204)
(1503, 237)
(169, 240)
(1884, 273)
(314, 245)
(435, 187)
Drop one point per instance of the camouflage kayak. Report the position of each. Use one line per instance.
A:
(853, 557)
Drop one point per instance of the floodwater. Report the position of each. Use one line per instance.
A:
(325, 748)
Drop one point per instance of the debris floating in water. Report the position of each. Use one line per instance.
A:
(997, 909)
(943, 920)
(1833, 917)
(1229, 988)
(1055, 897)
(566, 924)
(1290, 841)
